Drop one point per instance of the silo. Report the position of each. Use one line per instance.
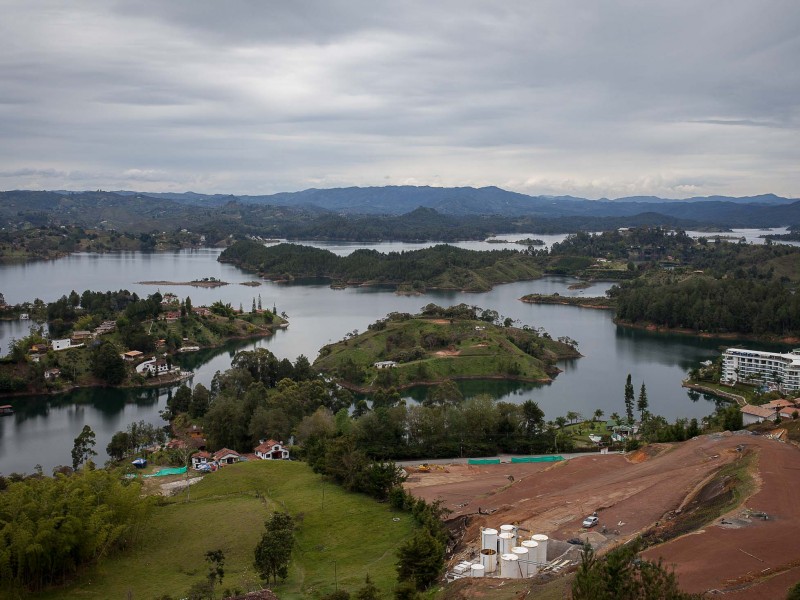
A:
(509, 529)
(509, 566)
(507, 542)
(524, 559)
(489, 560)
(533, 556)
(489, 538)
(542, 539)
(476, 571)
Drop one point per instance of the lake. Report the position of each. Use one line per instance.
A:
(43, 428)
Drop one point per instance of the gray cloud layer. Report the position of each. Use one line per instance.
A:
(592, 98)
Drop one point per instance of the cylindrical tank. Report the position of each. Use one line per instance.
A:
(509, 566)
(489, 560)
(524, 559)
(542, 539)
(476, 571)
(533, 556)
(509, 529)
(507, 542)
(489, 538)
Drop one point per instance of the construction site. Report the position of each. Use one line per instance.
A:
(719, 509)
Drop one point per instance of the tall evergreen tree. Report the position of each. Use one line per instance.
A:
(629, 397)
(641, 403)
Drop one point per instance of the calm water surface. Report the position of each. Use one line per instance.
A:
(43, 428)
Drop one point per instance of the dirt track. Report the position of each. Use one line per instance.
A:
(634, 493)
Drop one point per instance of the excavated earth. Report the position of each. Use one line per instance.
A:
(660, 492)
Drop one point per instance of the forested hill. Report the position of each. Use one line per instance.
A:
(441, 266)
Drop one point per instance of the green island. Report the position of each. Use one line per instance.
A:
(440, 344)
(118, 339)
(440, 267)
(585, 301)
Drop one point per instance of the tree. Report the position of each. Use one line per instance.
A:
(533, 418)
(198, 407)
(180, 402)
(188, 304)
(119, 446)
(641, 403)
(274, 551)
(629, 395)
(368, 591)
(83, 447)
(598, 414)
(216, 569)
(420, 559)
(620, 575)
(107, 364)
(572, 416)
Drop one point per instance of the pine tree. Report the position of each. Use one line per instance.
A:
(253, 310)
(259, 302)
(641, 404)
(629, 396)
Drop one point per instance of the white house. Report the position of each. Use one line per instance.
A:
(271, 450)
(64, 344)
(226, 456)
(386, 364)
(752, 414)
(201, 458)
(154, 366)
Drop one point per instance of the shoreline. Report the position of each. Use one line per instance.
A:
(371, 390)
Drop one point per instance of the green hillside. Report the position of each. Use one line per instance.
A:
(431, 348)
(227, 511)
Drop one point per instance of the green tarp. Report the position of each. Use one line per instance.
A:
(536, 459)
(168, 471)
(484, 461)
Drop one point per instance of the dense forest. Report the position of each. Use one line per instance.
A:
(441, 266)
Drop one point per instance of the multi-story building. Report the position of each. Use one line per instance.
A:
(754, 366)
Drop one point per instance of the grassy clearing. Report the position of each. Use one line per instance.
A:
(227, 511)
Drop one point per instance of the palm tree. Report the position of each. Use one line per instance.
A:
(615, 417)
(572, 416)
(598, 414)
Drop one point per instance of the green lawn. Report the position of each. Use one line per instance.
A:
(341, 535)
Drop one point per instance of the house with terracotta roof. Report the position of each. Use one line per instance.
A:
(226, 456)
(779, 404)
(271, 450)
(201, 458)
(752, 414)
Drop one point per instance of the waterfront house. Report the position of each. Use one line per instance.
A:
(271, 450)
(52, 373)
(132, 355)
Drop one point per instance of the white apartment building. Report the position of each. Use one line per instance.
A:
(767, 367)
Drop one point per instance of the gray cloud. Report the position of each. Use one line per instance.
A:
(600, 98)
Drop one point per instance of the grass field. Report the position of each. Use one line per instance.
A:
(341, 538)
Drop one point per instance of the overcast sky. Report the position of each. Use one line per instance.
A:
(596, 98)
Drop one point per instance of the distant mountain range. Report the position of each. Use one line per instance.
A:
(160, 210)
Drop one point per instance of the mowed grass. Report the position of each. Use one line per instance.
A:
(341, 537)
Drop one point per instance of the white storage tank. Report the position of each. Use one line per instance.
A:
(512, 529)
(507, 542)
(533, 556)
(489, 538)
(524, 559)
(477, 570)
(509, 566)
(489, 560)
(542, 540)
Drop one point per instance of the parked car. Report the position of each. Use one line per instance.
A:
(590, 521)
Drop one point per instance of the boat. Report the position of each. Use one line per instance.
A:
(6, 409)
(189, 349)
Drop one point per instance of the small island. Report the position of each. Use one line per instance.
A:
(584, 301)
(206, 282)
(440, 344)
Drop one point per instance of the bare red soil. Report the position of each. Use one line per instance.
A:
(633, 494)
